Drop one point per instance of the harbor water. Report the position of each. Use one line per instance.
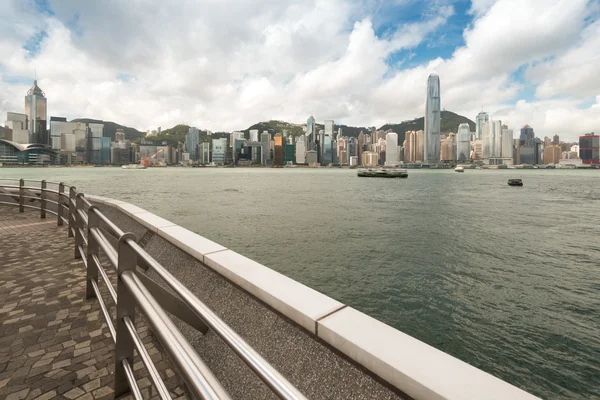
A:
(504, 278)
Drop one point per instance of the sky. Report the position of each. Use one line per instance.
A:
(224, 65)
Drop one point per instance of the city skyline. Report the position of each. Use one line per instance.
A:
(366, 69)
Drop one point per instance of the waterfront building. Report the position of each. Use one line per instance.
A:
(343, 157)
(380, 149)
(192, 140)
(95, 132)
(253, 135)
(289, 154)
(56, 123)
(391, 149)
(311, 158)
(447, 149)
(361, 144)
(589, 148)
(480, 120)
(120, 135)
(278, 150)
(36, 106)
(300, 151)
(19, 153)
(205, 153)
(547, 141)
(552, 154)
(311, 133)
(219, 151)
(527, 133)
(67, 142)
(529, 149)
(478, 149)
(354, 161)
(265, 140)
(491, 139)
(104, 150)
(370, 159)
(463, 143)
(327, 156)
(507, 145)
(575, 148)
(432, 120)
(352, 146)
(17, 124)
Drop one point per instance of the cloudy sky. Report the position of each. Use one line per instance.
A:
(223, 65)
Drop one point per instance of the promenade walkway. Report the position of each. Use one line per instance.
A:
(53, 342)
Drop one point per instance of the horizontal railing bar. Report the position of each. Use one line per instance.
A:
(30, 188)
(133, 386)
(85, 241)
(143, 353)
(86, 201)
(105, 312)
(269, 375)
(198, 378)
(8, 203)
(28, 206)
(52, 201)
(83, 216)
(50, 191)
(10, 186)
(31, 197)
(110, 252)
(9, 179)
(82, 253)
(116, 230)
(109, 285)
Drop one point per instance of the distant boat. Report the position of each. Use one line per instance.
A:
(515, 182)
(383, 173)
(459, 169)
(133, 166)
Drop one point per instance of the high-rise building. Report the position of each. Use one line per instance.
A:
(556, 140)
(205, 153)
(480, 120)
(589, 148)
(300, 151)
(552, 154)
(370, 159)
(192, 140)
(352, 147)
(391, 149)
(95, 132)
(17, 123)
(507, 145)
(56, 123)
(527, 133)
(432, 120)
(289, 154)
(265, 141)
(492, 139)
(219, 151)
(254, 135)
(36, 106)
(529, 149)
(278, 150)
(463, 143)
(311, 133)
(361, 144)
(120, 135)
(446, 151)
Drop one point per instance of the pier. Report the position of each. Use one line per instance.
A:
(101, 299)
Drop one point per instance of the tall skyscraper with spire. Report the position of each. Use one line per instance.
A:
(481, 119)
(431, 148)
(36, 111)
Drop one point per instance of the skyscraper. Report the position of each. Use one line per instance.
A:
(278, 150)
(432, 120)
(391, 149)
(481, 119)
(361, 144)
(192, 139)
(463, 143)
(311, 131)
(265, 143)
(36, 111)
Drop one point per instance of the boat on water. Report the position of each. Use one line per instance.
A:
(133, 166)
(383, 173)
(515, 182)
(459, 169)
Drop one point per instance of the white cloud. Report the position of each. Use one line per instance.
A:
(224, 65)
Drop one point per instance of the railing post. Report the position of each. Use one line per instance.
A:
(59, 211)
(21, 194)
(43, 199)
(92, 248)
(78, 224)
(125, 307)
(71, 210)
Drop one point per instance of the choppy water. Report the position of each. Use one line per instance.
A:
(507, 279)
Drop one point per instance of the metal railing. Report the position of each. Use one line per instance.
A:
(93, 232)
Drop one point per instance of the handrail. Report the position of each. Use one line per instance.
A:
(84, 219)
(271, 377)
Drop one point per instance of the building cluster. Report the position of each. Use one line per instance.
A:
(26, 138)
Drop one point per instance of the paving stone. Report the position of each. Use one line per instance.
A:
(74, 393)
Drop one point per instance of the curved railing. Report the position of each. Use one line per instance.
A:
(93, 231)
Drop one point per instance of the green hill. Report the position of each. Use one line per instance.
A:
(274, 126)
(110, 128)
(450, 122)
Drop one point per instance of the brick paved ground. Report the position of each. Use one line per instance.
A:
(54, 343)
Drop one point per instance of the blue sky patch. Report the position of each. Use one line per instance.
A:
(32, 45)
(43, 7)
(124, 77)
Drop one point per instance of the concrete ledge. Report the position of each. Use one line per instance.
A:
(190, 242)
(419, 370)
(296, 301)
